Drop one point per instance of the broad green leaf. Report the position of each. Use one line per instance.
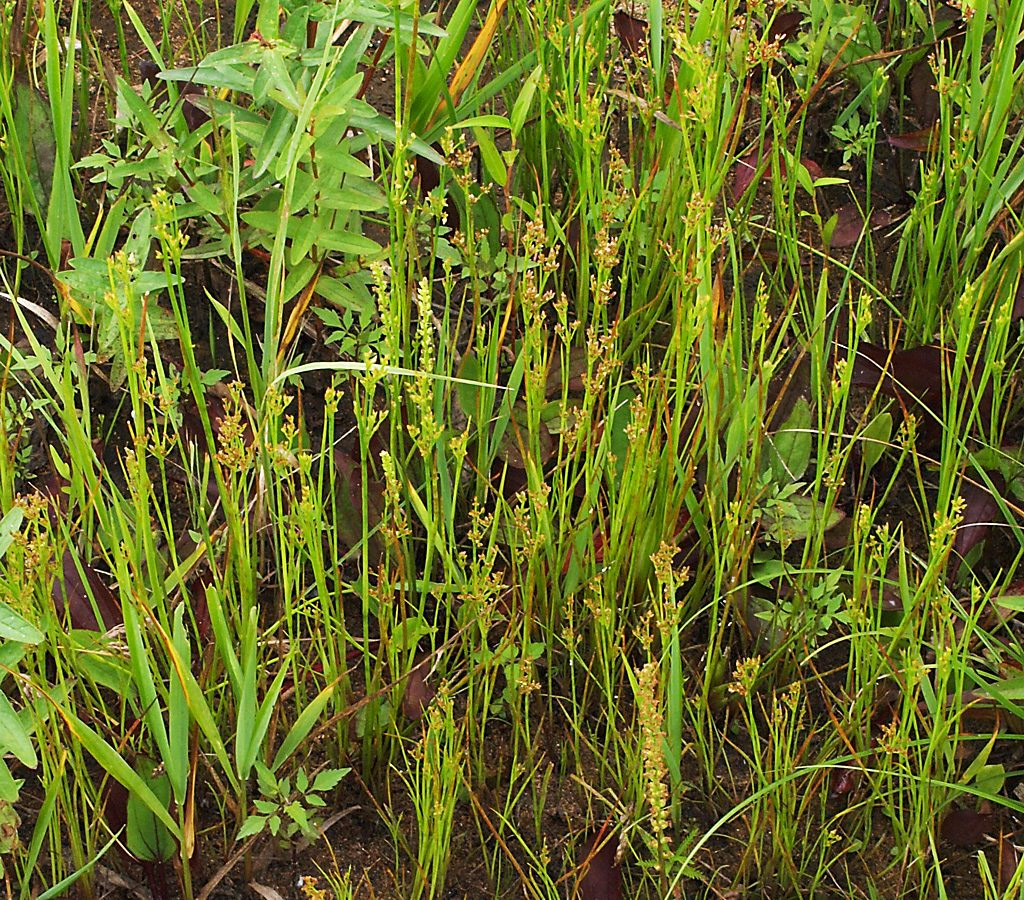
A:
(252, 825)
(118, 769)
(521, 108)
(278, 131)
(342, 241)
(875, 439)
(409, 633)
(10, 525)
(798, 517)
(297, 814)
(493, 164)
(355, 193)
(789, 449)
(9, 787)
(487, 121)
(13, 736)
(303, 726)
(281, 84)
(142, 114)
(328, 779)
(263, 714)
(14, 628)
(342, 293)
(146, 836)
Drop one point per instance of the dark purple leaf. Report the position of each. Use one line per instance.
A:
(418, 692)
(115, 804)
(1018, 302)
(843, 780)
(348, 503)
(148, 72)
(216, 411)
(195, 115)
(201, 608)
(600, 872)
(632, 33)
(920, 141)
(912, 376)
(964, 827)
(746, 168)
(1009, 860)
(921, 88)
(850, 224)
(428, 173)
(70, 593)
(786, 26)
(980, 511)
(743, 175)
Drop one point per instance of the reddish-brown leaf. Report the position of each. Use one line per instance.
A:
(979, 512)
(192, 421)
(1009, 860)
(71, 593)
(746, 168)
(201, 607)
(516, 442)
(843, 780)
(786, 26)
(743, 174)
(916, 375)
(965, 827)
(577, 368)
(920, 141)
(600, 872)
(850, 224)
(418, 692)
(632, 32)
(348, 502)
(921, 88)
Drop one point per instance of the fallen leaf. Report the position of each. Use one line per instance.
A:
(921, 90)
(786, 26)
(843, 780)
(921, 141)
(418, 691)
(631, 31)
(601, 874)
(913, 376)
(979, 513)
(850, 224)
(746, 167)
(577, 368)
(201, 608)
(516, 441)
(348, 503)
(195, 116)
(71, 593)
(964, 827)
(1009, 861)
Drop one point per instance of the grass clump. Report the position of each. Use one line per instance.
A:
(575, 447)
